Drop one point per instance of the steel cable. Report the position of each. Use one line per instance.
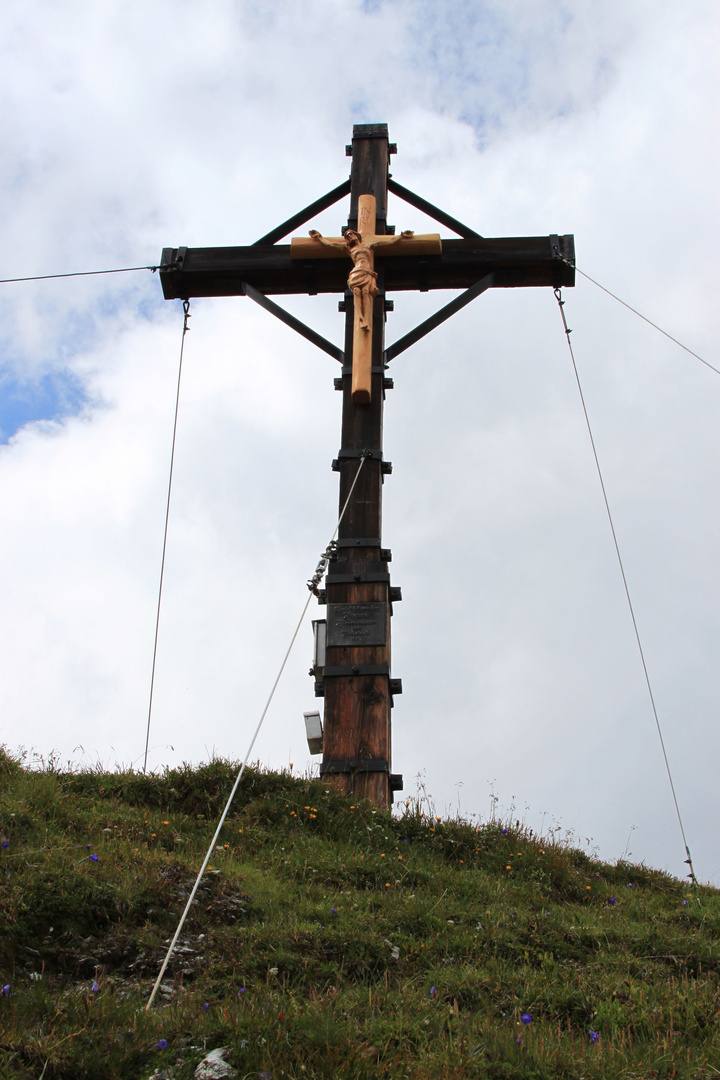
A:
(312, 585)
(688, 861)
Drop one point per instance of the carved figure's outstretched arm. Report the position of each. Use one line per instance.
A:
(338, 244)
(388, 241)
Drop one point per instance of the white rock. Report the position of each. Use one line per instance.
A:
(214, 1067)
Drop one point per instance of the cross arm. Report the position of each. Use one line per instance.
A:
(514, 262)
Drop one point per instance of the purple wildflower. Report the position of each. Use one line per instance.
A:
(6, 990)
(612, 900)
(93, 858)
(518, 1042)
(526, 1018)
(162, 1044)
(87, 847)
(685, 903)
(433, 991)
(630, 884)
(504, 832)
(206, 1006)
(5, 843)
(333, 911)
(241, 991)
(593, 1036)
(95, 988)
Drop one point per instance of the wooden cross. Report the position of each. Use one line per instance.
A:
(361, 246)
(355, 680)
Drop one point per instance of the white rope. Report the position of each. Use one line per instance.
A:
(216, 835)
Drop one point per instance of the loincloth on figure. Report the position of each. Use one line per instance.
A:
(363, 279)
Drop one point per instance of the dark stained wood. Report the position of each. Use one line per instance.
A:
(517, 262)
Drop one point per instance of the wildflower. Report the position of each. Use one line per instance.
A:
(206, 1006)
(685, 903)
(166, 822)
(518, 1042)
(526, 1018)
(5, 843)
(87, 847)
(593, 1036)
(93, 858)
(406, 840)
(264, 1076)
(241, 991)
(162, 1044)
(433, 991)
(333, 911)
(6, 990)
(504, 832)
(243, 1045)
(588, 887)
(95, 988)
(612, 900)
(630, 884)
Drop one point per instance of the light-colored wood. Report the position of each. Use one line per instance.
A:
(367, 213)
(305, 247)
(362, 356)
(361, 246)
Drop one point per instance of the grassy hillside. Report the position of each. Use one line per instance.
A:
(332, 941)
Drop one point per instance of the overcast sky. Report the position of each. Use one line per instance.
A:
(128, 127)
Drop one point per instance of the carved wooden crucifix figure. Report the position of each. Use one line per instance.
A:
(361, 246)
(355, 680)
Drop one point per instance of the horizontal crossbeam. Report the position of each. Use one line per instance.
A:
(439, 317)
(514, 262)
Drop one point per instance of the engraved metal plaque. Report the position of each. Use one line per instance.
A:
(357, 624)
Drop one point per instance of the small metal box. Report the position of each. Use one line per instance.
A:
(314, 732)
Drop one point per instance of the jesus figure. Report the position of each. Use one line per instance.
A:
(363, 276)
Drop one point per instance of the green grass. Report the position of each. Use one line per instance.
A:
(443, 935)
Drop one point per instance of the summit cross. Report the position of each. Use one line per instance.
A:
(354, 675)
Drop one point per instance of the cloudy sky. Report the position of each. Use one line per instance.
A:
(128, 127)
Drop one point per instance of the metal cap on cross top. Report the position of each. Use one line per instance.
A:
(363, 264)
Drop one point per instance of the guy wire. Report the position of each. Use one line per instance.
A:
(689, 862)
(186, 311)
(312, 584)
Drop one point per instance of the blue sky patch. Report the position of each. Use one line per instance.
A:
(55, 396)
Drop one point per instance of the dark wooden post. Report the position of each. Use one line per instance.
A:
(357, 743)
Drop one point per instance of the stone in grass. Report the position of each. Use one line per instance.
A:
(214, 1066)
